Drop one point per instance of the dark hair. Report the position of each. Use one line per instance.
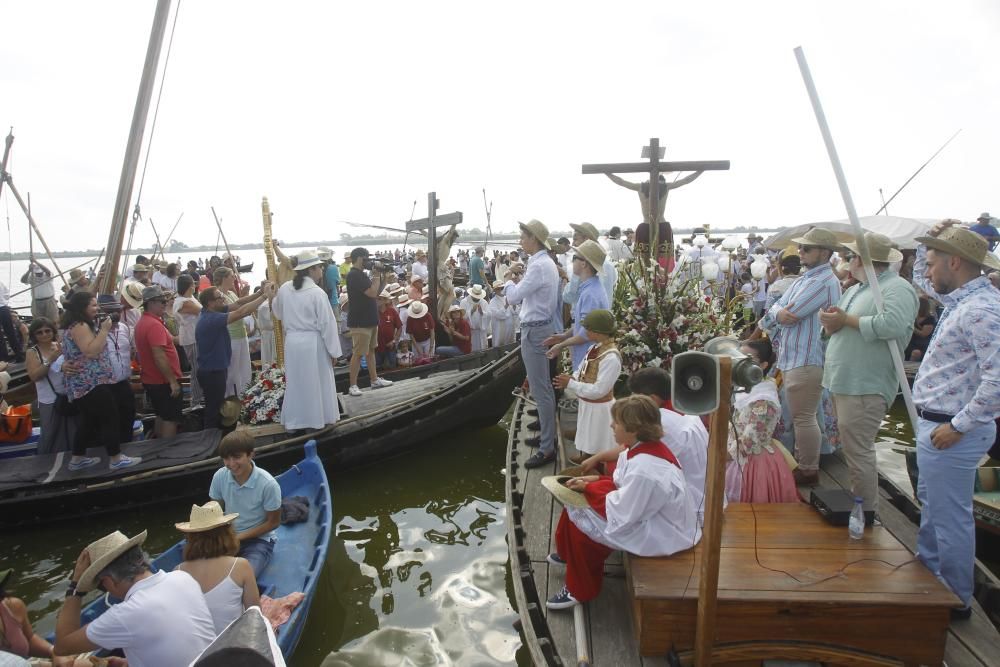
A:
(126, 567)
(615, 232)
(171, 270)
(184, 283)
(300, 276)
(650, 381)
(41, 323)
(923, 307)
(640, 415)
(208, 295)
(791, 264)
(359, 252)
(192, 263)
(237, 442)
(563, 241)
(141, 259)
(219, 541)
(762, 348)
(76, 310)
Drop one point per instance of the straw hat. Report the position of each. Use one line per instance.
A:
(426, 290)
(498, 284)
(593, 253)
(965, 243)
(556, 485)
(205, 517)
(417, 309)
(305, 260)
(75, 275)
(325, 254)
(819, 237)
(140, 268)
(477, 292)
(455, 308)
(880, 247)
(415, 278)
(537, 229)
(404, 300)
(152, 292)
(394, 289)
(985, 215)
(385, 294)
(102, 553)
(420, 253)
(586, 229)
(132, 293)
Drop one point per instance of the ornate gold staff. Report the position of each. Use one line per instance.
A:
(272, 269)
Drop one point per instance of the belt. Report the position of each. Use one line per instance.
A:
(536, 323)
(606, 399)
(934, 416)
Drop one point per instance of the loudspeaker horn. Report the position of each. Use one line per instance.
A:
(745, 372)
(694, 383)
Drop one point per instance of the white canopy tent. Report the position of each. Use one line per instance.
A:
(902, 231)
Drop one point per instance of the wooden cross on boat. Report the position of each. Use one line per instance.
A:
(654, 167)
(430, 223)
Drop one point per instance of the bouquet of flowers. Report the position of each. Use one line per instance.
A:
(262, 401)
(660, 315)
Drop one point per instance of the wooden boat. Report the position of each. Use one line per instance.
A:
(246, 268)
(299, 553)
(377, 425)
(246, 642)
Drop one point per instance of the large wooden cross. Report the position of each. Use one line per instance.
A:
(430, 223)
(654, 167)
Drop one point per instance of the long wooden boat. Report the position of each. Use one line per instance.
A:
(377, 425)
(299, 553)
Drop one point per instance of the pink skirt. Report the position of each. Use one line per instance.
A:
(768, 479)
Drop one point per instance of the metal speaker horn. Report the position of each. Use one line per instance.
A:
(694, 383)
(745, 372)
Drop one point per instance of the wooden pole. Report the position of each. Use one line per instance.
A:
(171, 236)
(159, 244)
(711, 537)
(31, 221)
(432, 278)
(31, 252)
(224, 241)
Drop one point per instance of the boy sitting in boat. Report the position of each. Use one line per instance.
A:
(244, 488)
(644, 508)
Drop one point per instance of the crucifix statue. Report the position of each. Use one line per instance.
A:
(437, 253)
(648, 235)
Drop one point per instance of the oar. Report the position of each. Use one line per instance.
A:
(580, 634)
(223, 235)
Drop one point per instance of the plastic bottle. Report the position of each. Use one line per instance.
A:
(856, 524)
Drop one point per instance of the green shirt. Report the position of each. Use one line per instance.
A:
(858, 362)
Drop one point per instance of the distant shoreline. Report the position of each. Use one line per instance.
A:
(352, 240)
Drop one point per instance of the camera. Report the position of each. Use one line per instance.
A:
(375, 265)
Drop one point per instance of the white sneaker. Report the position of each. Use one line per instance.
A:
(124, 462)
(354, 390)
(381, 382)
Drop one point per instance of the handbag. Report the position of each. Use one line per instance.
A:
(63, 406)
(15, 424)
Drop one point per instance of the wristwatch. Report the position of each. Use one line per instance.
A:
(71, 590)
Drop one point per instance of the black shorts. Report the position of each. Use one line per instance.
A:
(165, 406)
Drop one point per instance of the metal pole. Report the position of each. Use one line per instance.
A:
(119, 218)
(845, 193)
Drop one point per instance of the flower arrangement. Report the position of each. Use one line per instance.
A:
(661, 315)
(262, 401)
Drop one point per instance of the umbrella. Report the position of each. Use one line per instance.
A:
(902, 231)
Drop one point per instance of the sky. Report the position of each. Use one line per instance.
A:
(351, 111)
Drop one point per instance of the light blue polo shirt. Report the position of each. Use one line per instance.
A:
(253, 500)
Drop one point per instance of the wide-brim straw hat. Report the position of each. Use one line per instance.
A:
(75, 275)
(498, 284)
(415, 278)
(880, 247)
(385, 294)
(140, 268)
(586, 229)
(393, 288)
(537, 229)
(324, 253)
(477, 292)
(417, 309)
(819, 237)
(455, 308)
(404, 300)
(103, 552)
(152, 292)
(964, 243)
(305, 260)
(132, 293)
(593, 253)
(556, 485)
(205, 517)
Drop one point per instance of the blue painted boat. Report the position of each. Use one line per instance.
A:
(299, 553)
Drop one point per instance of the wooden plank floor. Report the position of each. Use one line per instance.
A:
(401, 391)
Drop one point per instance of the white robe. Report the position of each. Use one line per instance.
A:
(265, 325)
(479, 322)
(687, 438)
(593, 421)
(501, 321)
(650, 513)
(311, 339)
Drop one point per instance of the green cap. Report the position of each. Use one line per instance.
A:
(600, 321)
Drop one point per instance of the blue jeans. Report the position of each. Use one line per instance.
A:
(946, 543)
(540, 382)
(258, 552)
(385, 359)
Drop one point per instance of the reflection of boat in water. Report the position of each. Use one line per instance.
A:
(299, 552)
(375, 426)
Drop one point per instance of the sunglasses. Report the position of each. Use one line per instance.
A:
(807, 248)
(41, 331)
(850, 257)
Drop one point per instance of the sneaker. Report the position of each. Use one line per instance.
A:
(83, 463)
(561, 600)
(555, 559)
(381, 382)
(124, 462)
(354, 390)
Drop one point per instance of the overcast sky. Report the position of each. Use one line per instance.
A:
(353, 110)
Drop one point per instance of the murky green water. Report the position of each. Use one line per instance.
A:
(416, 573)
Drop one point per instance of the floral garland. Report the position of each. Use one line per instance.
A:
(262, 401)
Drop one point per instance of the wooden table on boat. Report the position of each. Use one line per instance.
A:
(788, 575)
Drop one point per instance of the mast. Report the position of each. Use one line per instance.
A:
(119, 219)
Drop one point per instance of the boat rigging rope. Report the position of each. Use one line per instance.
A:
(137, 212)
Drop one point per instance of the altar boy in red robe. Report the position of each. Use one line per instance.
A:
(644, 508)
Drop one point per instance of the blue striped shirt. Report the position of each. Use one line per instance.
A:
(801, 343)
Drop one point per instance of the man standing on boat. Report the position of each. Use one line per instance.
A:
(957, 396)
(43, 301)
(537, 294)
(362, 317)
(859, 371)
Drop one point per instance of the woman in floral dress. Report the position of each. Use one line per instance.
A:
(758, 471)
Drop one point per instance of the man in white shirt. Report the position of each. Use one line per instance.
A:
(537, 294)
(43, 303)
(163, 619)
(617, 250)
(419, 267)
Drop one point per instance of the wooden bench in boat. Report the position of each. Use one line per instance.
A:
(787, 575)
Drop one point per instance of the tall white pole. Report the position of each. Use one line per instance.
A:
(845, 193)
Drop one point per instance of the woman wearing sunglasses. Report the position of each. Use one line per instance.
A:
(44, 365)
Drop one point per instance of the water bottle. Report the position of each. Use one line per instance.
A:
(856, 525)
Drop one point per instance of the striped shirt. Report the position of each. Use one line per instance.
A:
(801, 342)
